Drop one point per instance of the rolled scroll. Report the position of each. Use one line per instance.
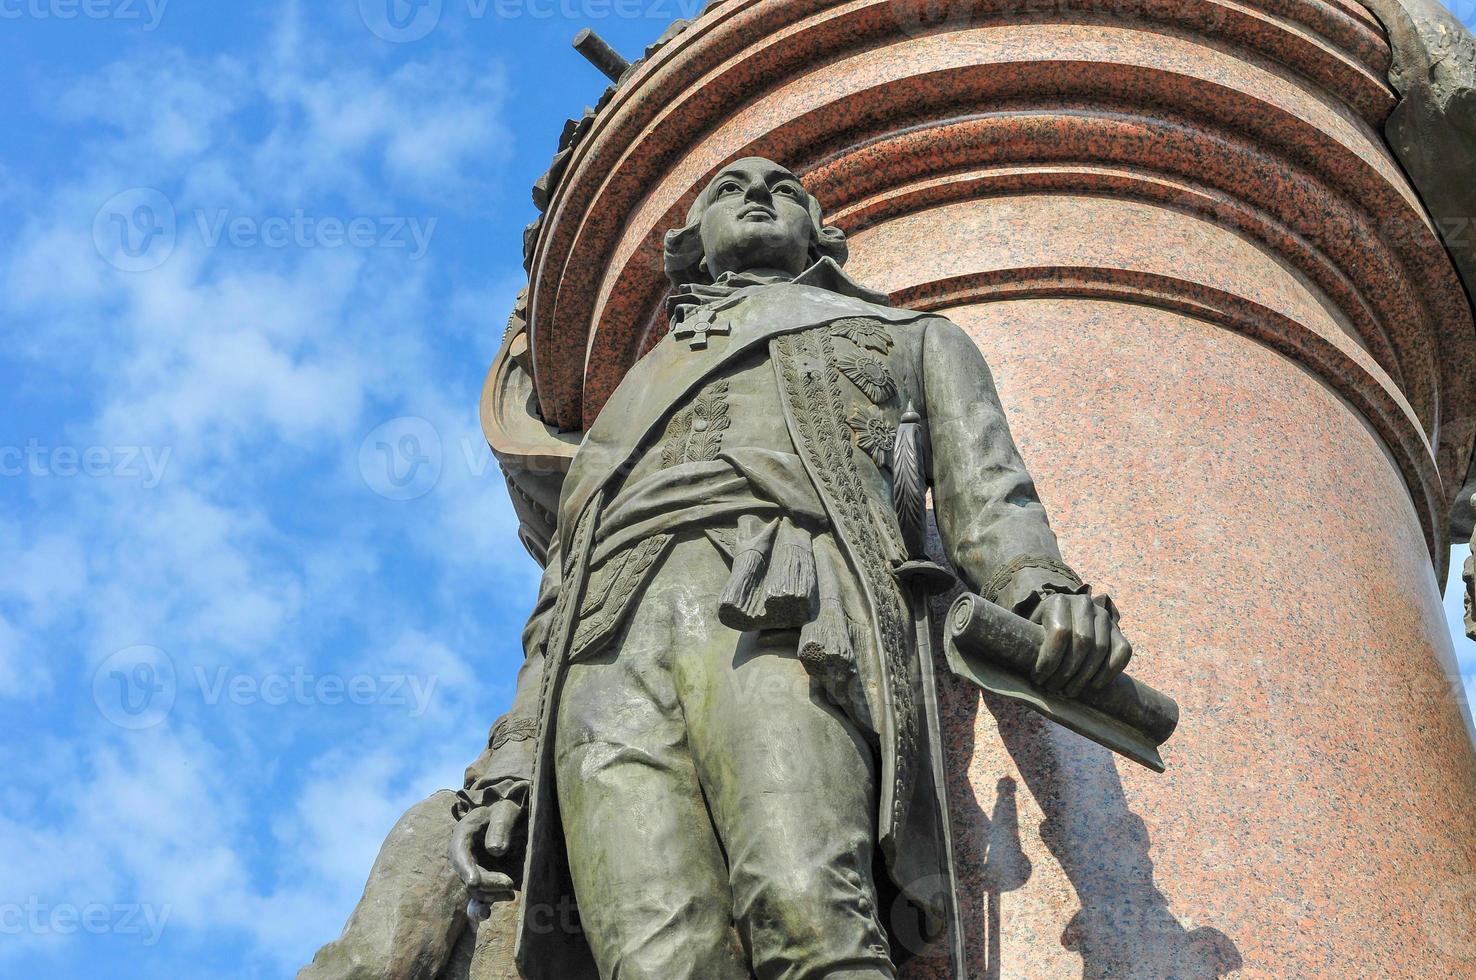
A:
(993, 648)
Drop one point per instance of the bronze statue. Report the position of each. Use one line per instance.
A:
(721, 759)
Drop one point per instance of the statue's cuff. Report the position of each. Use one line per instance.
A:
(466, 802)
(1020, 583)
(510, 788)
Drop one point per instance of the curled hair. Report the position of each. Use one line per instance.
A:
(685, 262)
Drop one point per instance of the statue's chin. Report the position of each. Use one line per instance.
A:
(763, 255)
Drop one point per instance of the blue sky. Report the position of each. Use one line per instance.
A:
(261, 589)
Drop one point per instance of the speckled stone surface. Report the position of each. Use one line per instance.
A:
(1316, 817)
(1060, 244)
(1243, 371)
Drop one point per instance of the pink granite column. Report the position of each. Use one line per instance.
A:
(1240, 366)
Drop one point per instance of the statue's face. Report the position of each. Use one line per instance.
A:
(757, 218)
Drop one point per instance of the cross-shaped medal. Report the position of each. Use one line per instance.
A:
(697, 325)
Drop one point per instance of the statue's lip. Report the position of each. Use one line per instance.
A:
(753, 209)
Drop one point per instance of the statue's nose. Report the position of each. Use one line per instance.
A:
(758, 192)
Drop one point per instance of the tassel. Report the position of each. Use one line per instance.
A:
(827, 644)
(789, 588)
(741, 606)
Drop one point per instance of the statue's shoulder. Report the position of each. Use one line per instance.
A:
(802, 301)
(827, 287)
(905, 326)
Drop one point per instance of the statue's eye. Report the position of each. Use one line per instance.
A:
(788, 190)
(730, 187)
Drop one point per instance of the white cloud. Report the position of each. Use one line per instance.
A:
(165, 108)
(253, 373)
(46, 573)
(22, 671)
(143, 819)
(163, 819)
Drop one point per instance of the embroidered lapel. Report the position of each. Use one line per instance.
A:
(670, 373)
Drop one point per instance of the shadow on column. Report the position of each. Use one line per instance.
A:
(1124, 929)
(1006, 868)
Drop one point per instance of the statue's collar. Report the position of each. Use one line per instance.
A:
(824, 274)
(695, 310)
(827, 274)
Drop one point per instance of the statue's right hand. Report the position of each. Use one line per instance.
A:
(484, 851)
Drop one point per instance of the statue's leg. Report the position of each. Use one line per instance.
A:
(790, 783)
(647, 869)
(792, 787)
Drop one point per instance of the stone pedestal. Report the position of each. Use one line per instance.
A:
(1237, 359)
